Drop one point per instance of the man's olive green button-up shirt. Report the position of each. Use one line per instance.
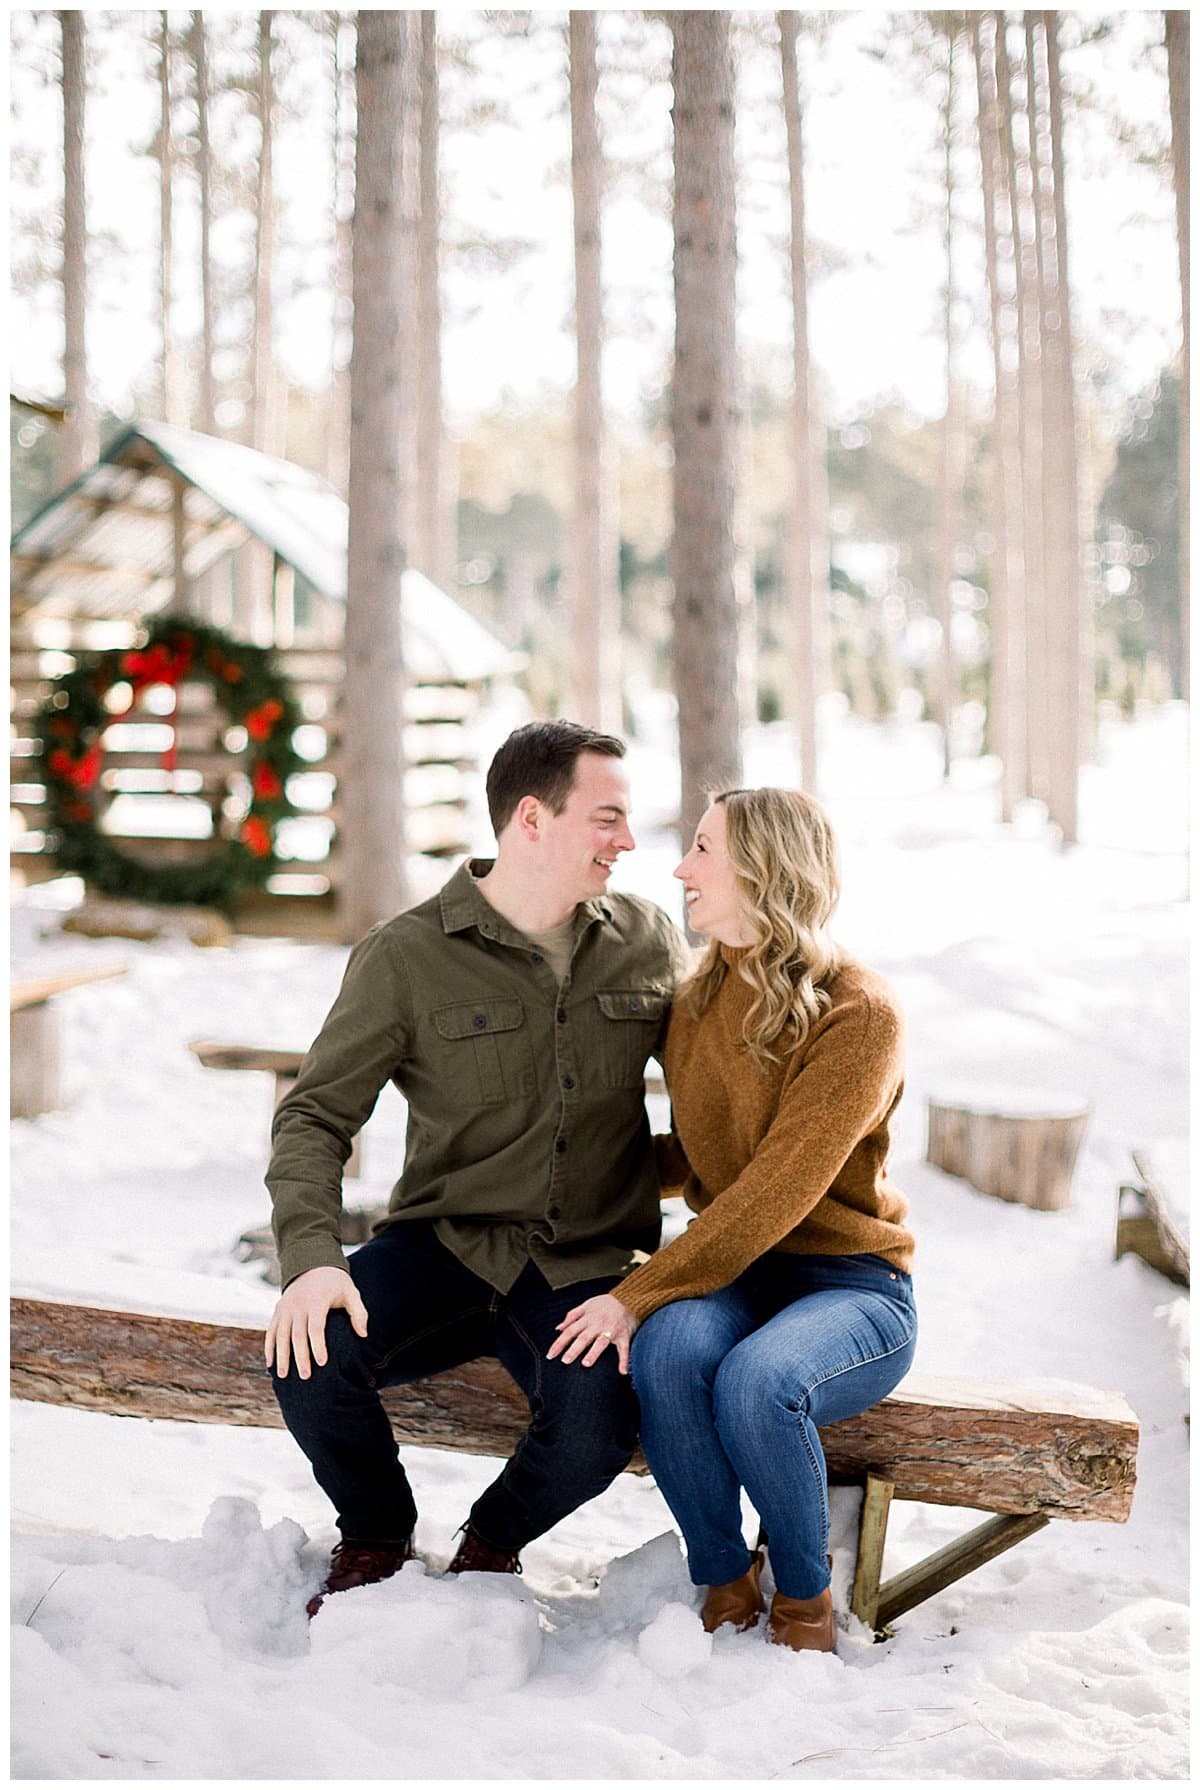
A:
(527, 1130)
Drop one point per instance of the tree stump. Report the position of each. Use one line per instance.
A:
(1018, 1144)
(33, 1061)
(34, 1036)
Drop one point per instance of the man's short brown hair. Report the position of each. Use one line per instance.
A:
(539, 760)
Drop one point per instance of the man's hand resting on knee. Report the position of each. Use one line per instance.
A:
(298, 1322)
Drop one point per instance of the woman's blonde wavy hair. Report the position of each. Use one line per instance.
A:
(785, 859)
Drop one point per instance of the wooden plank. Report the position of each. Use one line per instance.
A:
(1147, 1226)
(30, 991)
(1005, 1452)
(273, 1058)
(951, 1563)
(1139, 1234)
(872, 1534)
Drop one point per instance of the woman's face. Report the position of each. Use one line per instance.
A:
(709, 881)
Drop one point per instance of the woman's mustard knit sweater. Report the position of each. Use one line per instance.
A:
(792, 1157)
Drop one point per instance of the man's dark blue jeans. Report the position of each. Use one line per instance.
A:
(427, 1312)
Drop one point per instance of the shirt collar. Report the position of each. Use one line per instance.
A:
(463, 906)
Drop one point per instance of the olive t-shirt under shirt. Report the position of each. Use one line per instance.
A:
(555, 946)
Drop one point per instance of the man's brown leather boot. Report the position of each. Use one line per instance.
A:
(740, 1602)
(803, 1623)
(477, 1555)
(355, 1563)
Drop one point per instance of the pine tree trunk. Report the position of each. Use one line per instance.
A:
(266, 421)
(1179, 38)
(77, 442)
(174, 401)
(1029, 406)
(338, 433)
(950, 467)
(433, 550)
(371, 766)
(594, 603)
(1007, 696)
(744, 594)
(208, 390)
(1070, 643)
(806, 557)
(703, 409)
(267, 430)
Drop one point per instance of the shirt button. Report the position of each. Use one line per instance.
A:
(561, 1016)
(560, 1145)
(568, 1081)
(538, 958)
(554, 1212)
(480, 1021)
(635, 1006)
(891, 1277)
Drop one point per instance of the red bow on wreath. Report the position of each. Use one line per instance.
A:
(256, 836)
(157, 664)
(160, 664)
(266, 782)
(80, 773)
(260, 722)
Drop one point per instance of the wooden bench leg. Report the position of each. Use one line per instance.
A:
(951, 1563)
(33, 1061)
(872, 1533)
(353, 1169)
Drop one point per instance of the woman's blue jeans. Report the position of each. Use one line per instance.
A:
(734, 1386)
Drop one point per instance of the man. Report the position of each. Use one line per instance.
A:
(515, 1011)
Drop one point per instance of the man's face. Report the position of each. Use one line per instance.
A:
(580, 846)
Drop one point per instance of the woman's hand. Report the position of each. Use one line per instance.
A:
(592, 1326)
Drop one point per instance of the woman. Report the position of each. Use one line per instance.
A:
(787, 1303)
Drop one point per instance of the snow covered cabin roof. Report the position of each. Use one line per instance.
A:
(104, 547)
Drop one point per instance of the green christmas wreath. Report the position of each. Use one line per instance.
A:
(71, 728)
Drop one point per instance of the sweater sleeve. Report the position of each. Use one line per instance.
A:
(362, 1043)
(840, 1092)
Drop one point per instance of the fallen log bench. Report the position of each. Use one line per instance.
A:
(278, 1061)
(34, 1036)
(1152, 1217)
(1017, 1144)
(1027, 1452)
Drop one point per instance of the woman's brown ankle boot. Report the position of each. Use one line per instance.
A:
(803, 1623)
(740, 1602)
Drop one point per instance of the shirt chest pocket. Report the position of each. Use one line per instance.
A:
(629, 1026)
(486, 1050)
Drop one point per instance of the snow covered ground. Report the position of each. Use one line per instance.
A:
(160, 1570)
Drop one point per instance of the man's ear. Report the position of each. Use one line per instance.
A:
(528, 816)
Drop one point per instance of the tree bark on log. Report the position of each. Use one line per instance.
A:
(1013, 1448)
